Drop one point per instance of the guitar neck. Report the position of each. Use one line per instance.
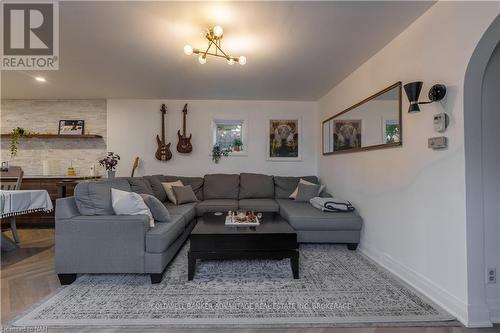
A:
(163, 127)
(184, 125)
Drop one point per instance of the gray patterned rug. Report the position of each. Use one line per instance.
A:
(336, 286)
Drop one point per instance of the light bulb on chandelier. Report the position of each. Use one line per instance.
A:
(218, 31)
(188, 49)
(214, 49)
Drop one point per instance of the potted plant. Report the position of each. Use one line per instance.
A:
(15, 135)
(218, 152)
(109, 163)
(237, 144)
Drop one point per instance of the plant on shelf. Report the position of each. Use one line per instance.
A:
(218, 152)
(109, 163)
(16, 134)
(237, 144)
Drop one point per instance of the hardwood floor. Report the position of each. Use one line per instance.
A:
(27, 276)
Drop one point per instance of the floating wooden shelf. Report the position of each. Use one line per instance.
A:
(59, 136)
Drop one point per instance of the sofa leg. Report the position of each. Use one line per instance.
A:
(352, 246)
(156, 278)
(66, 279)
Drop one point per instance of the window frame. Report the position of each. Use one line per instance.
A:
(231, 120)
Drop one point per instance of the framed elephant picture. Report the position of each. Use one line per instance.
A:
(284, 140)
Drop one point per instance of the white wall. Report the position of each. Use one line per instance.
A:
(131, 122)
(412, 198)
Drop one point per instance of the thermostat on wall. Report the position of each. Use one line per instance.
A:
(441, 121)
(439, 142)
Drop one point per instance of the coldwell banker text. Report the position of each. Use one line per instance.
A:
(31, 36)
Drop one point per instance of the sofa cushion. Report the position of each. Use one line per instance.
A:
(302, 181)
(254, 186)
(221, 186)
(284, 186)
(307, 192)
(184, 194)
(259, 205)
(130, 203)
(94, 198)
(195, 182)
(140, 185)
(303, 216)
(216, 205)
(158, 210)
(157, 187)
(159, 238)
(167, 186)
(188, 211)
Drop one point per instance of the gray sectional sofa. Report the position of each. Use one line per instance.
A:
(91, 239)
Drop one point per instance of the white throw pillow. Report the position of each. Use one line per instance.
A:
(168, 189)
(305, 182)
(130, 203)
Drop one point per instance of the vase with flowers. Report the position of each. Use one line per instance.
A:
(109, 162)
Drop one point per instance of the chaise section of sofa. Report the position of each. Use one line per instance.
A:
(311, 224)
(314, 226)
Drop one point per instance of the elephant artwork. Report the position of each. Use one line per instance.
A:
(347, 134)
(284, 139)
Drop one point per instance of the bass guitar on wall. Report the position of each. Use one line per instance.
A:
(184, 145)
(163, 152)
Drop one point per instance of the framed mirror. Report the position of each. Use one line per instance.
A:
(373, 123)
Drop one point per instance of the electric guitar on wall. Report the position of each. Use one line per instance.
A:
(163, 152)
(184, 146)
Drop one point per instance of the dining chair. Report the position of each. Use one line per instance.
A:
(11, 181)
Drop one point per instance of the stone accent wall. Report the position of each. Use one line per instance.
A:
(42, 116)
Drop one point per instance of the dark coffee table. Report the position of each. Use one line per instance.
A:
(274, 238)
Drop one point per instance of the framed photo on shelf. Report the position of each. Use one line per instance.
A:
(284, 140)
(71, 127)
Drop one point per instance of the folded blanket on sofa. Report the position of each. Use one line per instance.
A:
(331, 204)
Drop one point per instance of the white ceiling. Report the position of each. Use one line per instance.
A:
(295, 50)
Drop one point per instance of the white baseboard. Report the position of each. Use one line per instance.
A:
(428, 288)
(495, 312)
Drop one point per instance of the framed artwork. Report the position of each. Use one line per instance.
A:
(346, 134)
(284, 140)
(71, 127)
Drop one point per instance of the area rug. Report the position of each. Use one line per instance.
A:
(336, 287)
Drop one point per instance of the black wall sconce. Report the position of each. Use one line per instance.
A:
(436, 93)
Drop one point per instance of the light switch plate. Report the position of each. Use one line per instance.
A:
(441, 121)
(438, 142)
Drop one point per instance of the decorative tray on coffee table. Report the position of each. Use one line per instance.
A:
(248, 219)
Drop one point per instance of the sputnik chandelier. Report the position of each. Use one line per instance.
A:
(214, 36)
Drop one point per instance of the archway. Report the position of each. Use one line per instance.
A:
(478, 99)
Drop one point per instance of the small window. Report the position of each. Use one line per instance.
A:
(230, 134)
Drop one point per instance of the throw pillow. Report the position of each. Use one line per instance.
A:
(302, 181)
(307, 192)
(184, 194)
(130, 203)
(158, 210)
(168, 189)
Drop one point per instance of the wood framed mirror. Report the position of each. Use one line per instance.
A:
(373, 123)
